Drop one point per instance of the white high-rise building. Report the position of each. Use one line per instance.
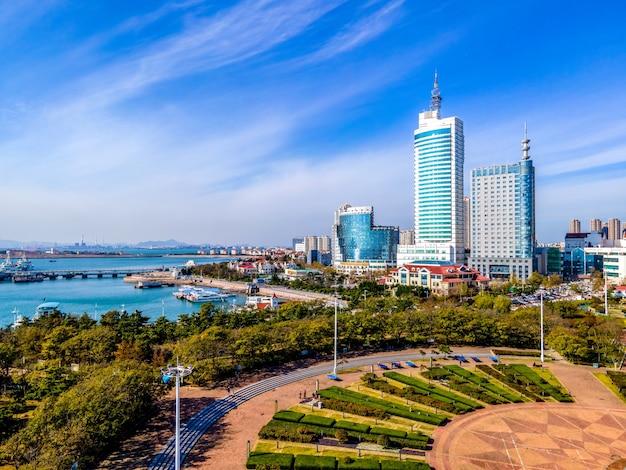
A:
(438, 161)
(503, 218)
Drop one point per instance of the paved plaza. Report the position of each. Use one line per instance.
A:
(588, 434)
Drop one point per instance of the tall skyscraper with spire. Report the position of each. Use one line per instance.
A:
(503, 218)
(439, 153)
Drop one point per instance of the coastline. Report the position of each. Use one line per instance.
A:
(235, 287)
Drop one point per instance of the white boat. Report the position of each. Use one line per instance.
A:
(17, 318)
(46, 307)
(10, 267)
(199, 294)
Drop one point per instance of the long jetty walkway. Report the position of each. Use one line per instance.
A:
(81, 273)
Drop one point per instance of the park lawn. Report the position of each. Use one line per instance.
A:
(393, 422)
(362, 388)
(606, 381)
(309, 449)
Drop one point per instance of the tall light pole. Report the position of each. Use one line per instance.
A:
(178, 371)
(541, 297)
(335, 361)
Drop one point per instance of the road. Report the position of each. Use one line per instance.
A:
(198, 424)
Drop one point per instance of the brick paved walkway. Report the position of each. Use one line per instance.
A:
(589, 434)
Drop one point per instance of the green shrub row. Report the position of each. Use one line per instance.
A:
(420, 396)
(545, 386)
(352, 426)
(388, 432)
(619, 380)
(333, 395)
(357, 464)
(287, 415)
(463, 386)
(297, 432)
(437, 392)
(317, 420)
(509, 380)
(269, 460)
(314, 462)
(483, 382)
(525, 353)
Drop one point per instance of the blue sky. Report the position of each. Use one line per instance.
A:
(251, 122)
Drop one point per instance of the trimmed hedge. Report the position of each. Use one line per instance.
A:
(403, 465)
(298, 432)
(317, 420)
(314, 462)
(336, 398)
(284, 461)
(388, 432)
(357, 464)
(459, 404)
(484, 383)
(619, 380)
(286, 415)
(541, 383)
(352, 426)
(509, 379)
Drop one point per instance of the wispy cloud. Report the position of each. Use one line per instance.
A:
(234, 35)
(358, 33)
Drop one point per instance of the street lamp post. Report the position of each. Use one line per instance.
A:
(178, 371)
(335, 361)
(541, 296)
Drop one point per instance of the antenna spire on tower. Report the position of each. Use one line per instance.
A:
(435, 95)
(525, 142)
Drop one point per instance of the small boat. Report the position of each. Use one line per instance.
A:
(199, 294)
(148, 284)
(46, 307)
(28, 278)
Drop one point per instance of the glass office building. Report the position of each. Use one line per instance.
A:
(357, 239)
(439, 153)
(503, 219)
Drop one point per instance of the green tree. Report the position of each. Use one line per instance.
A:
(502, 304)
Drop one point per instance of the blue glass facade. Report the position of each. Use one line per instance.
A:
(358, 239)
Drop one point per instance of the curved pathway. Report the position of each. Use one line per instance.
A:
(197, 425)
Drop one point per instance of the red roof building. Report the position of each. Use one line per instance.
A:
(439, 279)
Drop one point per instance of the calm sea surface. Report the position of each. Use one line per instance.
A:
(97, 296)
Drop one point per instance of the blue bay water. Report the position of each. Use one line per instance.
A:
(97, 296)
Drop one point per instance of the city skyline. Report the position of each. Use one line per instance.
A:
(251, 123)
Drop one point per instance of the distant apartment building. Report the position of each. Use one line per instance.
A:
(359, 245)
(314, 249)
(595, 225)
(439, 154)
(574, 226)
(439, 278)
(407, 237)
(614, 229)
(503, 219)
(297, 242)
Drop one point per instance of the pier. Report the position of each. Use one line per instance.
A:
(70, 274)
